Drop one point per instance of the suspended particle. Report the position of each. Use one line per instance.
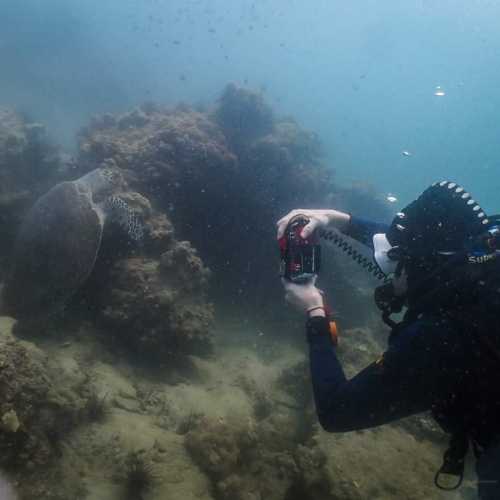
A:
(439, 92)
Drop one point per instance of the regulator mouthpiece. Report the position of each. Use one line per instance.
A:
(384, 255)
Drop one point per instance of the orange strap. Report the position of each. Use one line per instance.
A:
(334, 332)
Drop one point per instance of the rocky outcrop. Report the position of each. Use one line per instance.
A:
(157, 307)
(247, 461)
(29, 165)
(223, 177)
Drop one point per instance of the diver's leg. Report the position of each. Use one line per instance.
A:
(488, 473)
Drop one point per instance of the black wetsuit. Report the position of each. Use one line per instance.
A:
(430, 364)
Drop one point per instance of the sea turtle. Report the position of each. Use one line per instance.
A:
(59, 240)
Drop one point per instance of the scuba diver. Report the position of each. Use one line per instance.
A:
(440, 261)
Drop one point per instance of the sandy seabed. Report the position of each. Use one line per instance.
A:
(236, 426)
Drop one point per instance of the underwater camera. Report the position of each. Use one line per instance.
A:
(300, 257)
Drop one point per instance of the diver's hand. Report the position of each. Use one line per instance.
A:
(304, 296)
(317, 219)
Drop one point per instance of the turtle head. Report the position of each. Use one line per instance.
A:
(103, 181)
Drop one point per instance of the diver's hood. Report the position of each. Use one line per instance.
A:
(443, 221)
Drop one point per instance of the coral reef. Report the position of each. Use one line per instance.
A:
(29, 165)
(222, 197)
(222, 177)
(34, 416)
(170, 154)
(243, 115)
(264, 448)
(38, 409)
(153, 300)
(157, 306)
(248, 461)
(26, 157)
(152, 295)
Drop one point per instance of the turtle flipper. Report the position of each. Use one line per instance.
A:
(120, 212)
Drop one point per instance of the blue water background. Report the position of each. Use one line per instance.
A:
(360, 73)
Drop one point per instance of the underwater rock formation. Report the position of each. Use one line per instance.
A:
(157, 306)
(173, 314)
(169, 154)
(29, 165)
(247, 461)
(38, 409)
(33, 415)
(151, 298)
(270, 452)
(285, 168)
(222, 198)
(243, 115)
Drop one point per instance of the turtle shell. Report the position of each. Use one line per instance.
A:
(54, 253)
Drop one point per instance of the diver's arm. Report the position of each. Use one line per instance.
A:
(404, 382)
(318, 219)
(362, 230)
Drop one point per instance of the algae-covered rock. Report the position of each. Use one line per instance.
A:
(168, 153)
(246, 460)
(222, 178)
(243, 115)
(183, 270)
(35, 406)
(10, 422)
(295, 381)
(38, 409)
(29, 165)
(157, 307)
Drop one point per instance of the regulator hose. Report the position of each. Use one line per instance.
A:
(335, 238)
